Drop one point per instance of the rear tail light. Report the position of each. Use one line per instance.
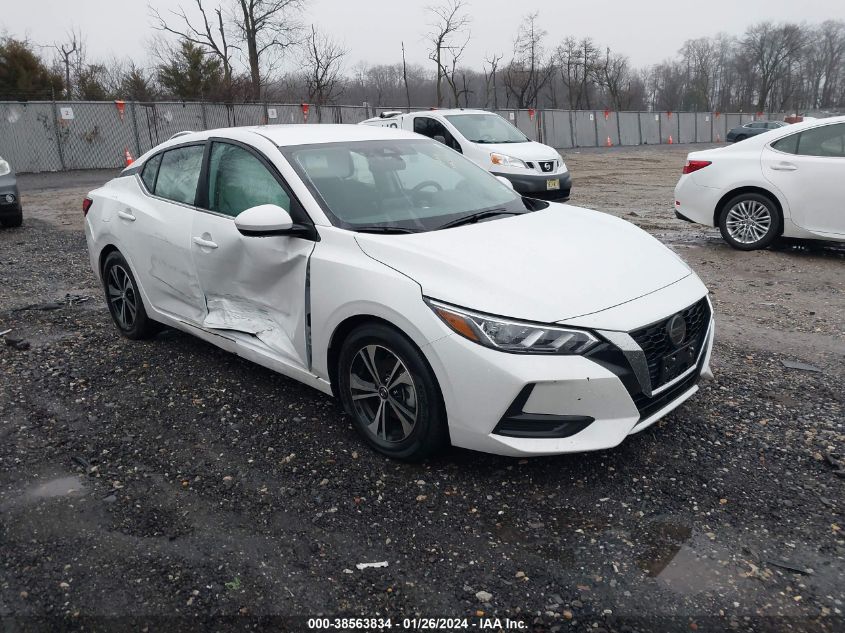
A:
(695, 165)
(86, 204)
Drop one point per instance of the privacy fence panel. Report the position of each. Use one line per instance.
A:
(607, 128)
(720, 127)
(629, 128)
(95, 135)
(650, 128)
(585, 128)
(28, 137)
(668, 127)
(557, 130)
(686, 127)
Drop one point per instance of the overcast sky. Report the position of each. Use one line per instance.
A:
(648, 31)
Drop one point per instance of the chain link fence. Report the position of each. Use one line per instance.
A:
(55, 136)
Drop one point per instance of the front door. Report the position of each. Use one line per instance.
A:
(809, 168)
(253, 285)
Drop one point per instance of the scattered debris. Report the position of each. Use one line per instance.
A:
(18, 343)
(5, 332)
(368, 565)
(838, 462)
(792, 364)
(789, 567)
(484, 596)
(234, 585)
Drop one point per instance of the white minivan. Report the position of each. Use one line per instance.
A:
(534, 169)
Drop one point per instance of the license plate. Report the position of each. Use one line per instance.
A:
(553, 183)
(676, 363)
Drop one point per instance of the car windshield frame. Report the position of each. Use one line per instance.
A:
(457, 120)
(507, 200)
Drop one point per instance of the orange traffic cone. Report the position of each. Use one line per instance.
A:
(609, 143)
(127, 156)
(670, 139)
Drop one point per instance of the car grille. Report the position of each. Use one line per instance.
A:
(654, 340)
(546, 166)
(649, 406)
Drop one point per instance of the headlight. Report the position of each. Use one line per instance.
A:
(507, 161)
(4, 167)
(513, 336)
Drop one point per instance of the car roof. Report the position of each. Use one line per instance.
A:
(296, 134)
(453, 111)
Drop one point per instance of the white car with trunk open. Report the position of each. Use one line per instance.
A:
(491, 142)
(386, 269)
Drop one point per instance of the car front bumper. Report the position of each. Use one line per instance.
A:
(536, 185)
(523, 405)
(9, 187)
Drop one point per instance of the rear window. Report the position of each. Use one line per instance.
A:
(788, 144)
(148, 175)
(179, 173)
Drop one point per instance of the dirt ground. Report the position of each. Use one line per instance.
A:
(170, 485)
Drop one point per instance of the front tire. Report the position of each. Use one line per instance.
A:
(387, 387)
(124, 299)
(750, 221)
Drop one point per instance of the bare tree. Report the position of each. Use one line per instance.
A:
(769, 48)
(210, 34)
(491, 61)
(323, 61)
(267, 28)
(447, 42)
(613, 75)
(67, 51)
(405, 77)
(529, 71)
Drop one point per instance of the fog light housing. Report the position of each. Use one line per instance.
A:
(10, 198)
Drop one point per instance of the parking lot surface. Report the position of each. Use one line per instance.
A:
(168, 478)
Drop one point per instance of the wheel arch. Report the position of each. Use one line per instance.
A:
(107, 250)
(350, 324)
(717, 212)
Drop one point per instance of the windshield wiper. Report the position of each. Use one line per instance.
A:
(475, 217)
(383, 229)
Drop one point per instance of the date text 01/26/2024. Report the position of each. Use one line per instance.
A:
(416, 624)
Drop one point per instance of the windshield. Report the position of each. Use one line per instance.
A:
(486, 128)
(417, 185)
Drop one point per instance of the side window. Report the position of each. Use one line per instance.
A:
(179, 173)
(827, 140)
(432, 127)
(788, 144)
(237, 181)
(148, 175)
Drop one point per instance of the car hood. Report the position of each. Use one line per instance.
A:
(546, 266)
(523, 151)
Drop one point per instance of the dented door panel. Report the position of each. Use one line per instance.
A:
(254, 285)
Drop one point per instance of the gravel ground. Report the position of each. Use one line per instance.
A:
(170, 485)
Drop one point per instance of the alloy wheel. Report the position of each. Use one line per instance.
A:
(748, 221)
(122, 296)
(383, 393)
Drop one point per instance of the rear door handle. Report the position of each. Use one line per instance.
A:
(126, 215)
(204, 243)
(784, 167)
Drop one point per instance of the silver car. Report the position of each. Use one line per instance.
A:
(11, 212)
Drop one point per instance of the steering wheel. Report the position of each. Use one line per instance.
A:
(427, 183)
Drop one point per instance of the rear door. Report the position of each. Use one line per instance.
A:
(809, 168)
(155, 231)
(253, 285)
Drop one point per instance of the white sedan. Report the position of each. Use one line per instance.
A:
(385, 268)
(788, 182)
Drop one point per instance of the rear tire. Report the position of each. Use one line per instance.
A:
(750, 221)
(124, 299)
(390, 391)
(13, 221)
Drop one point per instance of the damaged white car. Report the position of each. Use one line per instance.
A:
(384, 268)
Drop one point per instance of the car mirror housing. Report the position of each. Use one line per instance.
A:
(505, 181)
(267, 220)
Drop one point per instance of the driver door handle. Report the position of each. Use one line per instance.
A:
(784, 167)
(204, 243)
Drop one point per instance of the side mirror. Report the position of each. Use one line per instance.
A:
(263, 220)
(439, 138)
(504, 181)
